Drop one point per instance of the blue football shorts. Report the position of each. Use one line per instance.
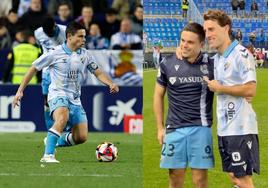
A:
(77, 113)
(188, 146)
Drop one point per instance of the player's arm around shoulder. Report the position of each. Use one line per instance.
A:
(106, 80)
(28, 76)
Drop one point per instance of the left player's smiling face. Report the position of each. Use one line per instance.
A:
(190, 45)
(78, 39)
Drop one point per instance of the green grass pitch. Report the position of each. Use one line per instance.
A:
(154, 177)
(78, 167)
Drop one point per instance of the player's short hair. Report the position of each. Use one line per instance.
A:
(220, 16)
(197, 29)
(73, 27)
(48, 26)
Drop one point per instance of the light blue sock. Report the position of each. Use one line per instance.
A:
(52, 139)
(66, 139)
(48, 120)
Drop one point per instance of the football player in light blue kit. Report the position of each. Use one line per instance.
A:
(67, 64)
(186, 138)
(48, 36)
(235, 81)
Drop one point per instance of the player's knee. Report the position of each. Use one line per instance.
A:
(81, 139)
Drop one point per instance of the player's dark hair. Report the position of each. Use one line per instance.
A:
(73, 27)
(197, 29)
(49, 26)
(221, 17)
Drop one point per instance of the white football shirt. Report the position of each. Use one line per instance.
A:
(235, 67)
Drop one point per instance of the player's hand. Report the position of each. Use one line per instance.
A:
(249, 99)
(114, 88)
(17, 98)
(160, 135)
(178, 53)
(213, 85)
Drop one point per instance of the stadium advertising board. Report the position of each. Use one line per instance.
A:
(105, 111)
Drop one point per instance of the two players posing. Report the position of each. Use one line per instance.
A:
(234, 81)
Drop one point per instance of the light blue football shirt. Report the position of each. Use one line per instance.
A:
(235, 115)
(67, 71)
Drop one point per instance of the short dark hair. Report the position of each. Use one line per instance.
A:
(73, 27)
(48, 26)
(197, 29)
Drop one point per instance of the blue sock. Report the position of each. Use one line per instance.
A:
(52, 138)
(66, 139)
(48, 120)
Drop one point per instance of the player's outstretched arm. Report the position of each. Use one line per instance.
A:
(106, 80)
(28, 76)
(158, 106)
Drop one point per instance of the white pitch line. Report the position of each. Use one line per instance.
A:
(62, 175)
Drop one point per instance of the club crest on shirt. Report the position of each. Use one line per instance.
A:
(204, 69)
(177, 67)
(172, 80)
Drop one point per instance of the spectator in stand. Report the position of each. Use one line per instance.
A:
(5, 39)
(259, 58)
(254, 9)
(252, 37)
(122, 7)
(34, 17)
(53, 6)
(125, 39)
(86, 18)
(242, 5)
(137, 21)
(11, 23)
(235, 5)
(184, 7)
(64, 14)
(99, 7)
(94, 40)
(111, 24)
(6, 5)
(239, 35)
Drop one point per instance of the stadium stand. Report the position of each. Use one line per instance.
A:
(163, 20)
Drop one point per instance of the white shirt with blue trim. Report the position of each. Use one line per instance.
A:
(235, 67)
(67, 71)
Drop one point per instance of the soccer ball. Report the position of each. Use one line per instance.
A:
(106, 152)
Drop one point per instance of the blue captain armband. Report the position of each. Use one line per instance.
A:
(92, 67)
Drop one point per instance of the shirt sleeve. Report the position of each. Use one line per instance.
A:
(92, 65)
(44, 60)
(247, 67)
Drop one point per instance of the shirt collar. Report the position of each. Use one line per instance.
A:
(230, 48)
(68, 50)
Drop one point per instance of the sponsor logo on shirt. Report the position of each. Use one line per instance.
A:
(230, 110)
(172, 80)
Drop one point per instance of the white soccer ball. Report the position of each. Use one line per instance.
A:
(106, 152)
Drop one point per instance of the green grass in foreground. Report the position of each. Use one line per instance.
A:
(78, 167)
(154, 177)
